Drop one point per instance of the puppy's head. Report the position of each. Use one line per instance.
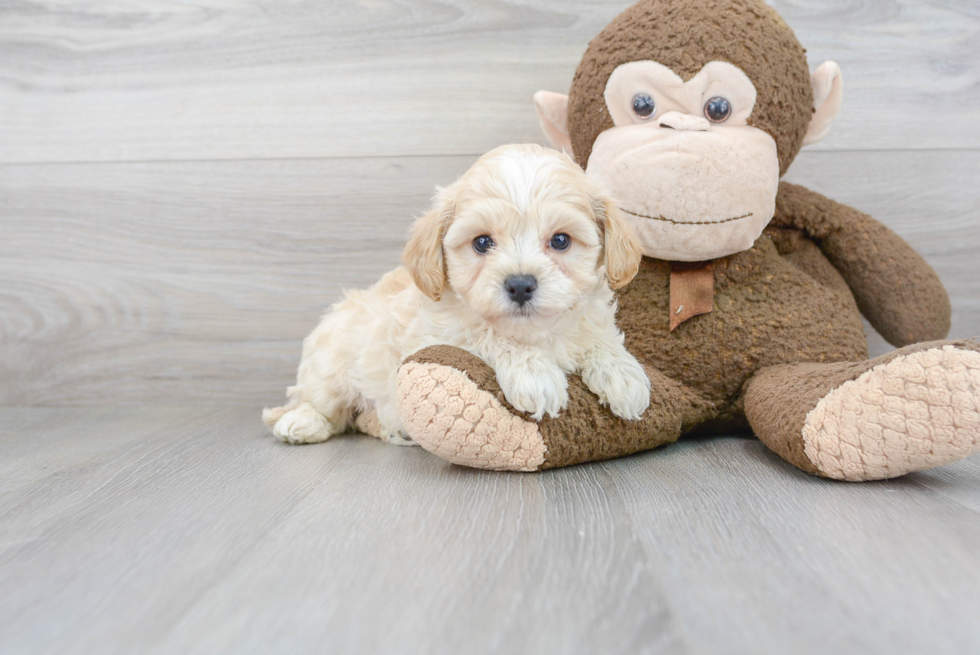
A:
(523, 234)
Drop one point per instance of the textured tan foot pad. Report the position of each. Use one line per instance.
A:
(911, 413)
(450, 416)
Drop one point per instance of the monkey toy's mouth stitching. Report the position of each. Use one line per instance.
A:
(667, 220)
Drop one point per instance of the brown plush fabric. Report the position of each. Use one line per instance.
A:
(587, 431)
(786, 312)
(805, 255)
(779, 424)
(895, 288)
(686, 35)
(767, 311)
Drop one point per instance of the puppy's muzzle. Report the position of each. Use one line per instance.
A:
(520, 288)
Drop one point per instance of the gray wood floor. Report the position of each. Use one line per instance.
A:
(184, 187)
(194, 531)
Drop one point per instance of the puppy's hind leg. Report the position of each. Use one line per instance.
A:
(370, 423)
(318, 408)
(302, 424)
(322, 400)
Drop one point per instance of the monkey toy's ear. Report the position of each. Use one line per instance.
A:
(828, 93)
(552, 111)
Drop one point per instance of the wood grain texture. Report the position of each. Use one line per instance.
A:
(194, 531)
(138, 80)
(783, 562)
(195, 282)
(184, 187)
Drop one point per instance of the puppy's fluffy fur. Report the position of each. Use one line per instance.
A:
(449, 293)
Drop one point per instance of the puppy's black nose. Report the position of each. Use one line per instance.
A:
(520, 288)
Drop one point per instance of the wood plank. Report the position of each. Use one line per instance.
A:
(757, 557)
(138, 81)
(195, 282)
(111, 549)
(207, 535)
(216, 537)
(188, 265)
(437, 559)
(45, 443)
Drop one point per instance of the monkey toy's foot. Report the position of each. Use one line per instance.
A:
(909, 410)
(450, 403)
(448, 414)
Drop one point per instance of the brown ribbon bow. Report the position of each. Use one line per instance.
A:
(692, 290)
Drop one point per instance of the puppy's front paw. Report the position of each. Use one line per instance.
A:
(620, 382)
(537, 387)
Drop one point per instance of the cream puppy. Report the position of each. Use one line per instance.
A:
(513, 264)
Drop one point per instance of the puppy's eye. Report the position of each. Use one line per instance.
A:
(482, 244)
(561, 241)
(643, 105)
(717, 110)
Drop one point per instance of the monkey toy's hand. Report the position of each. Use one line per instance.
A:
(896, 290)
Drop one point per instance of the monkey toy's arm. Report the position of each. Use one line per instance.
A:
(896, 290)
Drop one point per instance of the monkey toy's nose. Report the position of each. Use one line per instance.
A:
(675, 120)
(520, 288)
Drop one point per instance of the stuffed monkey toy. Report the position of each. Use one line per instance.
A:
(746, 312)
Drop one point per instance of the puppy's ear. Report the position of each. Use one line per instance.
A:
(423, 255)
(622, 249)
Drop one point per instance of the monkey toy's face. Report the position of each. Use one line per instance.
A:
(691, 133)
(697, 181)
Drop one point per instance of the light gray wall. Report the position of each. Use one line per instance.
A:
(183, 190)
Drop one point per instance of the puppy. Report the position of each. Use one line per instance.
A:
(514, 264)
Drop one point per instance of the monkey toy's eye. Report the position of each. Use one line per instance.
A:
(643, 105)
(717, 110)
(482, 244)
(561, 241)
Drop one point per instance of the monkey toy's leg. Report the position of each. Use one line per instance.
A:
(909, 410)
(450, 403)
